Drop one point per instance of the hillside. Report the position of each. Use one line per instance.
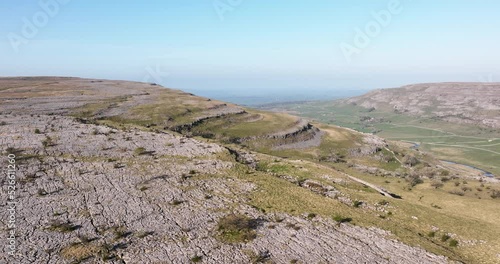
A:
(125, 172)
(463, 103)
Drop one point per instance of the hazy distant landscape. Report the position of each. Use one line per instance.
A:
(256, 99)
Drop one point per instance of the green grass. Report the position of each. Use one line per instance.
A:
(463, 143)
(237, 229)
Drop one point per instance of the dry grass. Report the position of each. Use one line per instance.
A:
(79, 252)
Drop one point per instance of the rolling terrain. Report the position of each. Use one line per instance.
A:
(456, 122)
(125, 172)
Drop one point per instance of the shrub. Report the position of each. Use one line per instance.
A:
(445, 237)
(293, 226)
(63, 227)
(237, 228)
(357, 203)
(37, 131)
(414, 180)
(176, 202)
(383, 202)
(437, 185)
(495, 194)
(47, 142)
(453, 243)
(341, 219)
(42, 192)
(410, 160)
(311, 215)
(466, 189)
(196, 259)
(120, 232)
(261, 167)
(140, 151)
(260, 257)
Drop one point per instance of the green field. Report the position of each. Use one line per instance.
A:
(461, 143)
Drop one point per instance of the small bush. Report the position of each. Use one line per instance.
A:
(437, 185)
(260, 257)
(445, 237)
(196, 259)
(37, 131)
(357, 203)
(47, 142)
(120, 232)
(431, 234)
(140, 151)
(383, 202)
(42, 192)
(436, 206)
(63, 227)
(293, 226)
(176, 202)
(341, 219)
(453, 243)
(445, 179)
(495, 194)
(466, 189)
(237, 228)
(410, 160)
(261, 167)
(311, 215)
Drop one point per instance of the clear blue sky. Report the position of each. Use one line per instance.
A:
(255, 44)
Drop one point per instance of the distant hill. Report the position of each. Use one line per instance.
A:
(465, 103)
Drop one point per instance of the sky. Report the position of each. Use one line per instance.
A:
(253, 46)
